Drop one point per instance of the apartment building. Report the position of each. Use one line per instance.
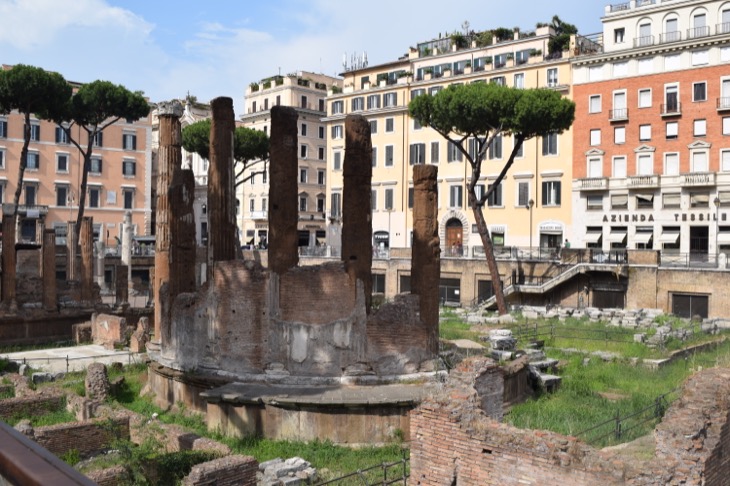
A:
(306, 92)
(652, 131)
(119, 178)
(532, 206)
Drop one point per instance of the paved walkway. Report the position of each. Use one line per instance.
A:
(75, 358)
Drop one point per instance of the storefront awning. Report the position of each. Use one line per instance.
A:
(723, 238)
(616, 237)
(669, 237)
(643, 238)
(593, 237)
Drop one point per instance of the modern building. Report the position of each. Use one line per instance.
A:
(306, 92)
(652, 131)
(531, 209)
(119, 178)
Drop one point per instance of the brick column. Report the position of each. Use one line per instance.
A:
(9, 259)
(357, 223)
(71, 244)
(48, 267)
(283, 190)
(426, 251)
(86, 273)
(169, 160)
(222, 236)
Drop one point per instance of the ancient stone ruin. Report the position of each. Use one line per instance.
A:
(269, 350)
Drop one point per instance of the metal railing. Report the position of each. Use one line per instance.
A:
(688, 260)
(671, 108)
(619, 114)
(396, 472)
(132, 358)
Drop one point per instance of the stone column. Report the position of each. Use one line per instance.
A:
(99, 261)
(127, 237)
(169, 160)
(426, 251)
(357, 223)
(48, 266)
(121, 286)
(71, 244)
(40, 228)
(9, 259)
(86, 273)
(283, 190)
(222, 236)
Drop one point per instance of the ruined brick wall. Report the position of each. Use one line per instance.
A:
(107, 329)
(28, 263)
(698, 281)
(87, 438)
(226, 471)
(33, 405)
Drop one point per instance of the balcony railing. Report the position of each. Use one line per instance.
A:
(671, 109)
(647, 40)
(723, 103)
(259, 214)
(619, 7)
(643, 181)
(697, 32)
(594, 184)
(699, 179)
(618, 114)
(670, 37)
(722, 28)
(688, 260)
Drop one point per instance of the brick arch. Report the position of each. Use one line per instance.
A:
(454, 214)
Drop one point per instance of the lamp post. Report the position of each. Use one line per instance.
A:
(717, 229)
(529, 207)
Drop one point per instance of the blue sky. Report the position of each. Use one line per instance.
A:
(217, 47)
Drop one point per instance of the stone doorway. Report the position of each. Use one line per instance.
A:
(454, 237)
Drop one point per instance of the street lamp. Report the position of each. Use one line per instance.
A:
(529, 206)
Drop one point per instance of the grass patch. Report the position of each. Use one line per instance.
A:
(452, 326)
(53, 417)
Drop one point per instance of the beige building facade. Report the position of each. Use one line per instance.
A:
(532, 208)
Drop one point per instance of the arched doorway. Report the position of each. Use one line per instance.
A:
(454, 237)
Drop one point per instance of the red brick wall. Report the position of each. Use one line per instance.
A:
(107, 329)
(315, 295)
(226, 471)
(36, 405)
(87, 438)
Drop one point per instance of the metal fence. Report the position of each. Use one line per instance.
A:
(132, 358)
(689, 260)
(535, 331)
(386, 473)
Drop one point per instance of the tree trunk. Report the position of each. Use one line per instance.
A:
(82, 189)
(21, 167)
(489, 252)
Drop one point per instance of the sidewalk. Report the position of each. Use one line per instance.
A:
(75, 358)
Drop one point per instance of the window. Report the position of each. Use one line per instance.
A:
(671, 99)
(358, 104)
(30, 194)
(699, 162)
(33, 162)
(304, 129)
(671, 32)
(264, 177)
(596, 136)
(266, 104)
(416, 124)
(619, 35)
(303, 149)
(320, 204)
(619, 105)
(495, 149)
(95, 165)
(373, 127)
(337, 161)
(619, 135)
(129, 141)
(725, 160)
(336, 131)
(417, 153)
(595, 167)
(389, 156)
(594, 203)
(551, 193)
(495, 198)
(699, 200)
(550, 144)
(2, 159)
(338, 107)
(644, 164)
(321, 132)
(389, 125)
(552, 77)
(523, 194)
(498, 80)
(373, 102)
(128, 195)
(672, 62)
(594, 104)
(302, 176)
(726, 125)
(94, 197)
(374, 156)
(410, 197)
(644, 133)
(434, 152)
(520, 151)
(700, 58)
(700, 128)
(35, 132)
(253, 179)
(335, 208)
(455, 196)
(671, 164)
(619, 167)
(671, 201)
(672, 130)
(98, 139)
(644, 98)
(453, 154)
(321, 177)
(129, 168)
(388, 199)
(699, 91)
(61, 135)
(390, 100)
(61, 195)
(320, 153)
(519, 80)
(303, 203)
(252, 205)
(619, 201)
(61, 162)
(620, 69)
(645, 37)
(304, 102)
(374, 199)
(3, 128)
(479, 191)
(417, 92)
(321, 103)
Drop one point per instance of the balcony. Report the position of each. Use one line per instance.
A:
(696, 179)
(667, 37)
(643, 182)
(722, 28)
(593, 184)
(697, 32)
(723, 104)
(619, 114)
(259, 215)
(671, 109)
(32, 210)
(644, 41)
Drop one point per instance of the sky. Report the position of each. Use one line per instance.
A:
(212, 48)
